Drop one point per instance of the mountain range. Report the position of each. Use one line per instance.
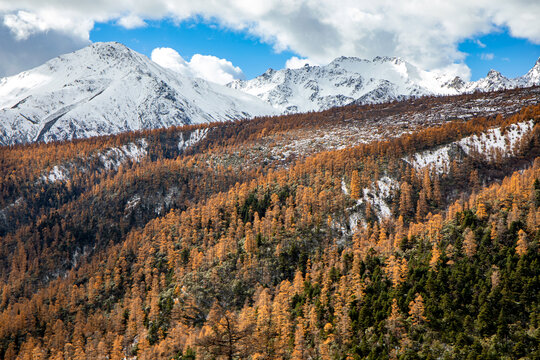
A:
(107, 88)
(350, 80)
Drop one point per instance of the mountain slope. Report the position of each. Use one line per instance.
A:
(350, 253)
(107, 88)
(349, 80)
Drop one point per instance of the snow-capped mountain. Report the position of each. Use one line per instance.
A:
(345, 80)
(107, 88)
(349, 80)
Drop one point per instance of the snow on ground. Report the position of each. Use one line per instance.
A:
(494, 139)
(376, 195)
(194, 137)
(344, 187)
(484, 144)
(58, 173)
(111, 159)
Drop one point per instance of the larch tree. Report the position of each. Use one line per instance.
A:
(250, 241)
(522, 244)
(355, 185)
(481, 212)
(469, 243)
(417, 310)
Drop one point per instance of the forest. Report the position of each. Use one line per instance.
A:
(212, 242)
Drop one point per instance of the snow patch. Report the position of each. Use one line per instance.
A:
(58, 173)
(485, 144)
(376, 195)
(194, 137)
(114, 157)
(111, 159)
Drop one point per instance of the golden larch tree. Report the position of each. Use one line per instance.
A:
(469, 243)
(355, 185)
(417, 310)
(522, 244)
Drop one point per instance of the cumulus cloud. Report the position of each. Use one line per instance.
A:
(208, 67)
(131, 21)
(215, 69)
(295, 63)
(425, 32)
(24, 23)
(170, 59)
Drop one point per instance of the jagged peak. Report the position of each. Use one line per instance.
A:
(394, 59)
(343, 59)
(494, 73)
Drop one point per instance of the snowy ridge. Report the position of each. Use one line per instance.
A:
(345, 80)
(348, 80)
(485, 145)
(107, 88)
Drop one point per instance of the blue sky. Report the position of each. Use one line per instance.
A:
(252, 55)
(499, 50)
(511, 56)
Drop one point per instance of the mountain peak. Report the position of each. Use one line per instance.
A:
(394, 59)
(107, 88)
(493, 73)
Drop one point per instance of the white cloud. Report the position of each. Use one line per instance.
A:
(295, 63)
(208, 67)
(23, 24)
(479, 43)
(215, 69)
(131, 21)
(487, 56)
(425, 32)
(170, 59)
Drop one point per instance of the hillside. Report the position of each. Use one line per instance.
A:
(398, 230)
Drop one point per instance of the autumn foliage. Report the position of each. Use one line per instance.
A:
(201, 253)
